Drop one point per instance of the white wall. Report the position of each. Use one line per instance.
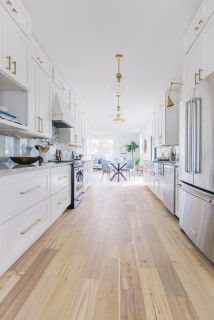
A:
(119, 142)
(146, 134)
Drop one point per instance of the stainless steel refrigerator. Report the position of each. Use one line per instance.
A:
(197, 166)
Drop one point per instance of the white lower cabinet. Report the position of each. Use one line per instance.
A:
(59, 202)
(19, 233)
(25, 190)
(28, 208)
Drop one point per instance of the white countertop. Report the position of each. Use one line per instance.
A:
(16, 169)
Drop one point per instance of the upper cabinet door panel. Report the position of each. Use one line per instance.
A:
(44, 102)
(15, 52)
(209, 8)
(19, 14)
(195, 27)
(208, 36)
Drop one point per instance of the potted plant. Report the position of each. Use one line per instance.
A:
(132, 147)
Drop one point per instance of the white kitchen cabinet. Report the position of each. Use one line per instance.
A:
(19, 233)
(209, 8)
(40, 98)
(25, 190)
(18, 12)
(194, 65)
(44, 102)
(40, 57)
(59, 202)
(208, 36)
(60, 178)
(1, 36)
(15, 51)
(195, 27)
(166, 126)
(61, 83)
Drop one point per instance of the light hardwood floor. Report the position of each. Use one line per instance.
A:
(119, 255)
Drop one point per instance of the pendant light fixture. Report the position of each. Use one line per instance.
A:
(118, 118)
(170, 103)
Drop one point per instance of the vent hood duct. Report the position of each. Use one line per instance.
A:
(61, 116)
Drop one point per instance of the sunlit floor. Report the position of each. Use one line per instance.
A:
(119, 255)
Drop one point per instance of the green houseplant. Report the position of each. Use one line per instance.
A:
(132, 147)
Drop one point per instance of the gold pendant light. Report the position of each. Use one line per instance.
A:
(118, 118)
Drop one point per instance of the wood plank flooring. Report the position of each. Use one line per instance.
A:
(119, 256)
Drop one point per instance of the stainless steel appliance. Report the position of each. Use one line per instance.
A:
(169, 187)
(77, 183)
(197, 167)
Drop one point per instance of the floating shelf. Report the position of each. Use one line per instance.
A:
(9, 125)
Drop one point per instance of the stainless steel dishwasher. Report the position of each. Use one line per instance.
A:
(169, 187)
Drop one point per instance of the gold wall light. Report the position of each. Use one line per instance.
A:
(170, 103)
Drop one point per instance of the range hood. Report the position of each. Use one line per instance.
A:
(61, 116)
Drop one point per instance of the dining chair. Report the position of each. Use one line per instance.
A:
(129, 168)
(105, 168)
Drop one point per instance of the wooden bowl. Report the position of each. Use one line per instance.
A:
(24, 160)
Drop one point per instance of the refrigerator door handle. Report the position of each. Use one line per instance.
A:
(197, 195)
(188, 153)
(197, 134)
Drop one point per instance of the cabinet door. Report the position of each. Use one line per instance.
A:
(1, 36)
(15, 52)
(208, 36)
(194, 65)
(44, 102)
(33, 117)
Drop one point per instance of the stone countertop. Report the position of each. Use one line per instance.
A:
(16, 169)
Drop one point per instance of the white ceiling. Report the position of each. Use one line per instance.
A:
(82, 38)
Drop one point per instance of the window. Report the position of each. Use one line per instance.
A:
(100, 148)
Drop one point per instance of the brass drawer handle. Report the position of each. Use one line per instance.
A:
(200, 74)
(30, 190)
(9, 3)
(30, 227)
(64, 177)
(14, 10)
(14, 67)
(9, 62)
(196, 75)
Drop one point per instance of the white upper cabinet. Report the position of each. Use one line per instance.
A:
(44, 103)
(209, 8)
(18, 12)
(40, 102)
(208, 37)
(15, 52)
(194, 65)
(40, 57)
(61, 83)
(195, 27)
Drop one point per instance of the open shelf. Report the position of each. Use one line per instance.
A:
(9, 125)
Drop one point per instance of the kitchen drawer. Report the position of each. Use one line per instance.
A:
(19, 192)
(19, 233)
(59, 202)
(19, 14)
(60, 178)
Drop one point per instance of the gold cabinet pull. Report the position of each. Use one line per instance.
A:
(61, 178)
(14, 67)
(200, 74)
(14, 10)
(30, 227)
(9, 3)
(30, 190)
(41, 119)
(196, 75)
(9, 62)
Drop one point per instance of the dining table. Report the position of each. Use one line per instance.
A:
(118, 171)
